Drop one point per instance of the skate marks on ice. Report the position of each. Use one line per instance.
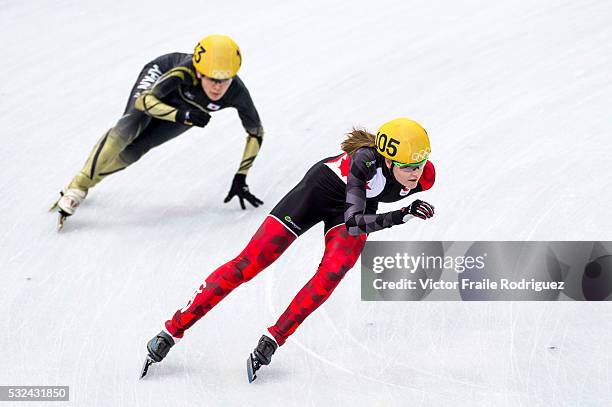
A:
(509, 353)
(353, 371)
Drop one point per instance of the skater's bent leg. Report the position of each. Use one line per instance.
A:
(341, 252)
(108, 148)
(156, 133)
(269, 242)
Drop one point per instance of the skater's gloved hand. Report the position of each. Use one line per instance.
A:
(418, 208)
(192, 117)
(241, 190)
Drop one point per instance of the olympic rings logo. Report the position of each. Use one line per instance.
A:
(421, 155)
(221, 74)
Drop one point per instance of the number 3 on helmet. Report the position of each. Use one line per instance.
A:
(217, 56)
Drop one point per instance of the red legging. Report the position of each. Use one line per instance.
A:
(269, 242)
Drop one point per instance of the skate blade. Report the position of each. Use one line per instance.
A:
(145, 366)
(251, 369)
(61, 218)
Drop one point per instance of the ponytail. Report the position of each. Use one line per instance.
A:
(356, 139)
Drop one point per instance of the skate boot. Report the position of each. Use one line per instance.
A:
(157, 348)
(70, 201)
(67, 204)
(262, 355)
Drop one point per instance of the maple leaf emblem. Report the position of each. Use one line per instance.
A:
(345, 164)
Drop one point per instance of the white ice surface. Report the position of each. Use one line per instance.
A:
(515, 95)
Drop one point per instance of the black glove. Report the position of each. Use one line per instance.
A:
(240, 188)
(418, 208)
(192, 117)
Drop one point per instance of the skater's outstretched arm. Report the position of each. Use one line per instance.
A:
(255, 132)
(252, 125)
(239, 186)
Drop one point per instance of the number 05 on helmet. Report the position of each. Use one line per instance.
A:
(217, 56)
(404, 141)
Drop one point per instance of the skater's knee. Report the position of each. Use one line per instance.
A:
(117, 140)
(244, 268)
(131, 155)
(128, 128)
(331, 271)
(233, 273)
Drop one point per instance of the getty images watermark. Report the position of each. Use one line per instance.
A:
(486, 271)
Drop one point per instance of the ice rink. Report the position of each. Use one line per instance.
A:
(516, 97)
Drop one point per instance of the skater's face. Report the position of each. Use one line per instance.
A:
(407, 176)
(214, 88)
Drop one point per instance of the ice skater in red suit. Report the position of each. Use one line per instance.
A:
(341, 191)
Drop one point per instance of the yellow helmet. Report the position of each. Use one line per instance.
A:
(217, 56)
(403, 141)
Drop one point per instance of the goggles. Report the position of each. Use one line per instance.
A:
(410, 167)
(217, 81)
